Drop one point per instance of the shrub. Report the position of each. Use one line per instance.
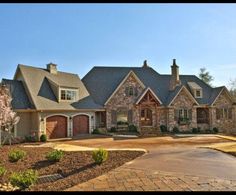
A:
(113, 129)
(96, 131)
(24, 179)
(100, 155)
(133, 128)
(55, 155)
(15, 155)
(2, 171)
(175, 130)
(208, 131)
(163, 128)
(215, 130)
(122, 123)
(43, 138)
(31, 138)
(194, 130)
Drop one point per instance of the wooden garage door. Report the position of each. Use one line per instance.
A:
(80, 124)
(56, 127)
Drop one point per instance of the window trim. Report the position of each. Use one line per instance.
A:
(225, 113)
(200, 91)
(131, 89)
(71, 90)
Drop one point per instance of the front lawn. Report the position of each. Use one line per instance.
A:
(228, 147)
(74, 167)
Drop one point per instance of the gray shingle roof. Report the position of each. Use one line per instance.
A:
(86, 103)
(20, 99)
(40, 90)
(102, 81)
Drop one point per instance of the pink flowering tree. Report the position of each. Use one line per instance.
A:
(8, 118)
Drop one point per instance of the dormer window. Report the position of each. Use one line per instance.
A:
(68, 94)
(195, 89)
(198, 93)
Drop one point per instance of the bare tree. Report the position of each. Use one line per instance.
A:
(8, 118)
(205, 76)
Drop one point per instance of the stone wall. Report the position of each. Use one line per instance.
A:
(181, 101)
(224, 125)
(120, 100)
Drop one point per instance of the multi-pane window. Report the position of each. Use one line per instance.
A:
(183, 115)
(198, 93)
(131, 91)
(68, 95)
(224, 113)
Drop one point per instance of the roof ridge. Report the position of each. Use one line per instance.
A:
(118, 67)
(35, 67)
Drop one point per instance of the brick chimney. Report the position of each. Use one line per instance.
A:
(174, 81)
(52, 68)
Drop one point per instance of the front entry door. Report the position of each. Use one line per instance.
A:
(146, 117)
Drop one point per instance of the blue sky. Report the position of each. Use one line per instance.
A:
(80, 36)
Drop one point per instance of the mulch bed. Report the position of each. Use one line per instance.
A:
(75, 167)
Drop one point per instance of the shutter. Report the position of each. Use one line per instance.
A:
(230, 113)
(221, 113)
(130, 116)
(217, 113)
(127, 91)
(113, 117)
(190, 114)
(136, 91)
(176, 114)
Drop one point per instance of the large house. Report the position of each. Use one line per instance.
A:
(59, 104)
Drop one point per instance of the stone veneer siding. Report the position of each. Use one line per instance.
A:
(181, 101)
(120, 100)
(224, 125)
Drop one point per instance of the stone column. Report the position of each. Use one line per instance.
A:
(170, 119)
(108, 119)
(212, 117)
(194, 117)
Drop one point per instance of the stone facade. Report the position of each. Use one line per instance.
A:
(182, 101)
(224, 125)
(166, 115)
(121, 100)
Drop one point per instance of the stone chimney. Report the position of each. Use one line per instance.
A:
(145, 64)
(174, 81)
(52, 68)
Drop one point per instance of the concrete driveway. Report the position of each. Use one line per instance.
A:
(171, 162)
(188, 160)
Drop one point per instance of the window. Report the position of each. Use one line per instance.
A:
(131, 91)
(198, 93)
(68, 95)
(122, 116)
(183, 115)
(223, 113)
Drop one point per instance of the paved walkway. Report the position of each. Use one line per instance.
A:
(181, 165)
(128, 179)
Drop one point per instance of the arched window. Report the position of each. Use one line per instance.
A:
(146, 117)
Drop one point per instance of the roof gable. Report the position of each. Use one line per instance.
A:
(131, 73)
(145, 92)
(187, 92)
(20, 99)
(222, 90)
(38, 85)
